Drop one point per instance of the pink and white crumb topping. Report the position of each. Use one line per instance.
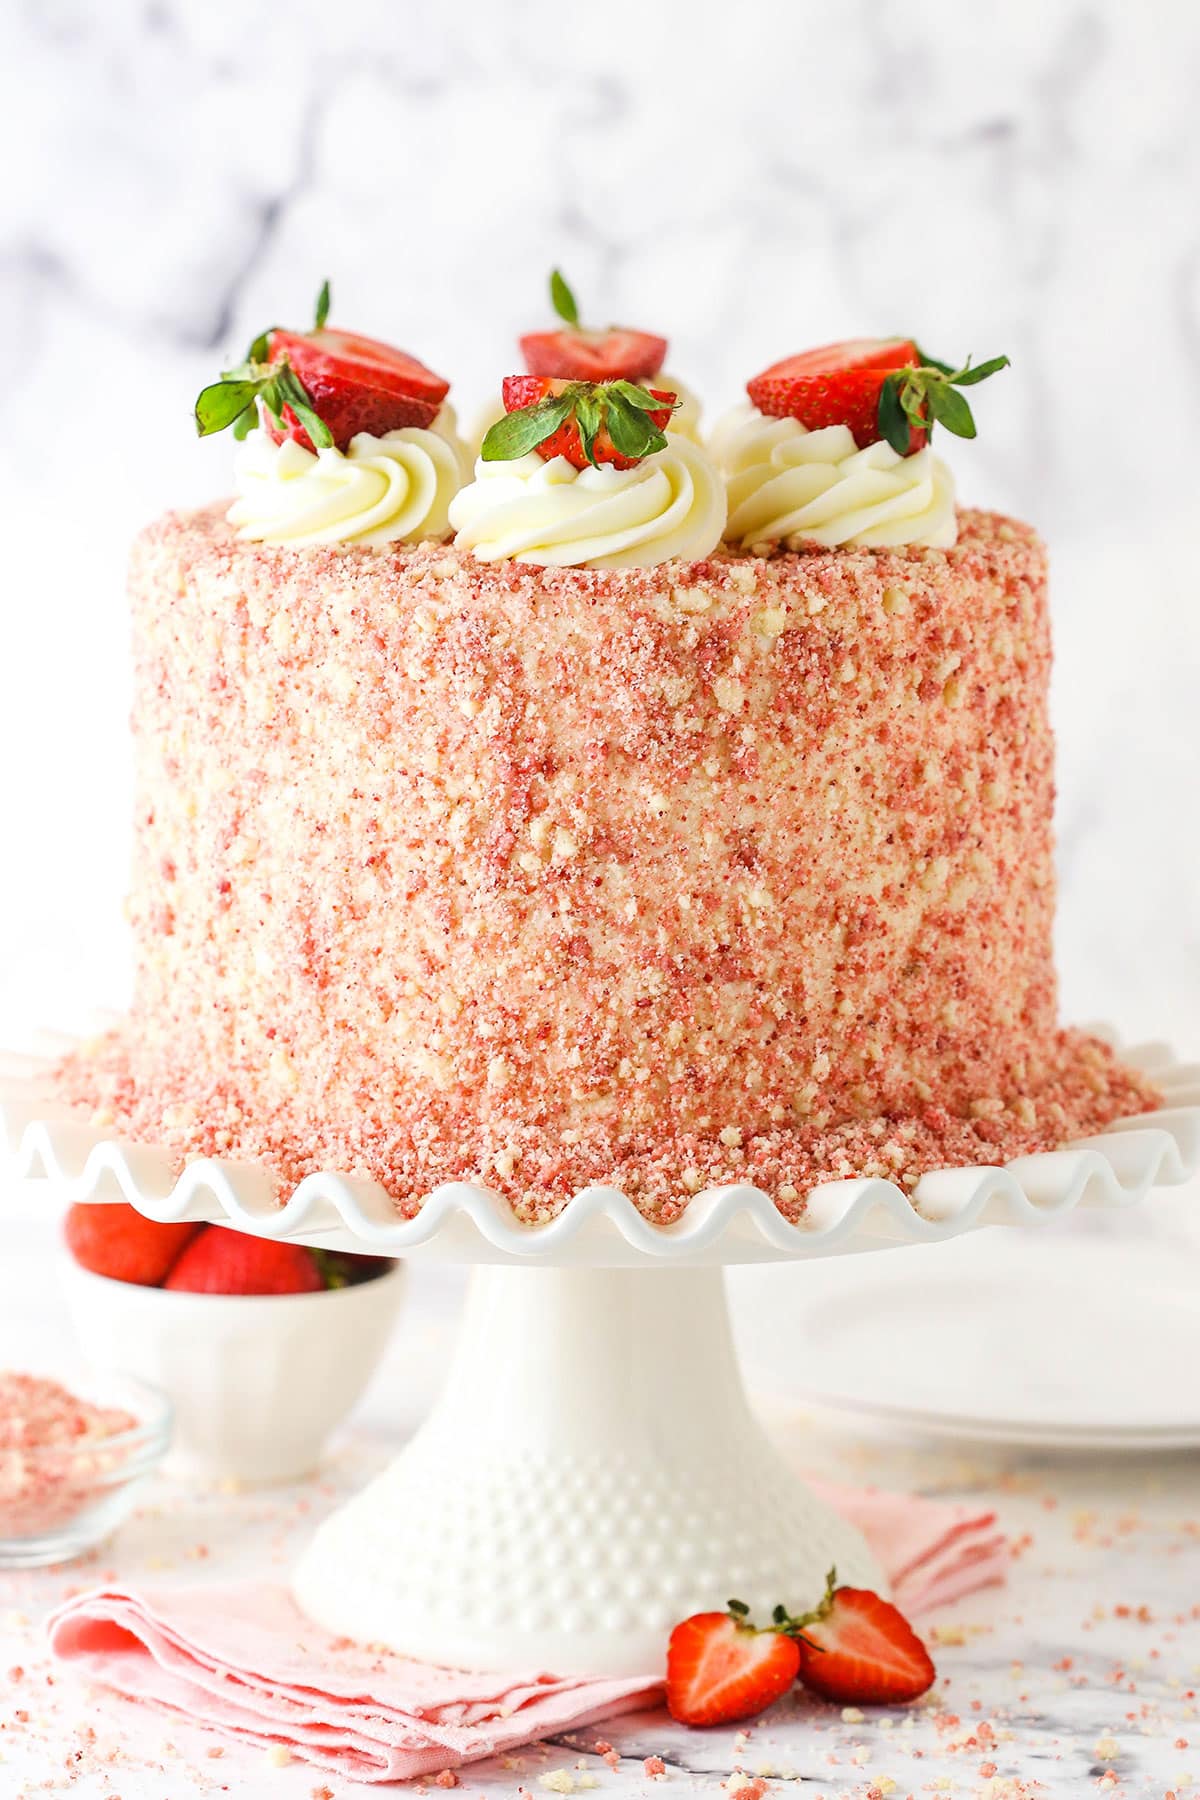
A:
(729, 870)
(55, 1451)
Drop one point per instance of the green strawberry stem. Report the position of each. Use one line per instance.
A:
(621, 407)
(913, 399)
(562, 299)
(786, 1624)
(233, 399)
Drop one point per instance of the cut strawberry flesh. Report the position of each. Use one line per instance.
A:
(718, 1671)
(853, 353)
(357, 384)
(865, 1650)
(594, 355)
(837, 384)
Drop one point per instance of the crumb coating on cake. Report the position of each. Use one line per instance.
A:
(717, 871)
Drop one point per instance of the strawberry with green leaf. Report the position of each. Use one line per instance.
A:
(880, 388)
(588, 422)
(321, 387)
(853, 1647)
(572, 353)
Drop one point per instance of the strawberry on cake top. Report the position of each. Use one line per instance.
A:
(572, 351)
(591, 846)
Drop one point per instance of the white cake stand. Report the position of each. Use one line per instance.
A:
(591, 1472)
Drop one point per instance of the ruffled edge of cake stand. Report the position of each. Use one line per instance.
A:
(463, 1221)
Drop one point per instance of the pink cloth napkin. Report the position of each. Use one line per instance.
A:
(244, 1661)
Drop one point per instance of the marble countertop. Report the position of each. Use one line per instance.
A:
(1078, 1677)
(749, 181)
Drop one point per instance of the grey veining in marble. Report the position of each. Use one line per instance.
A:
(752, 178)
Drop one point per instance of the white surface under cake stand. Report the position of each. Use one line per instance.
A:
(591, 1472)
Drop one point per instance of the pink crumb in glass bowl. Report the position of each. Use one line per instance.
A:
(69, 1462)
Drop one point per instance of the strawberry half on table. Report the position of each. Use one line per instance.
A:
(879, 388)
(720, 1668)
(321, 387)
(852, 1647)
(857, 1647)
(573, 353)
(588, 422)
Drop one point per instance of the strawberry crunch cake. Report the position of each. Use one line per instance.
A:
(626, 808)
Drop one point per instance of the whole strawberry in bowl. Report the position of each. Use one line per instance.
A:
(264, 1346)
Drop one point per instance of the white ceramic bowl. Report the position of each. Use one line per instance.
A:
(257, 1383)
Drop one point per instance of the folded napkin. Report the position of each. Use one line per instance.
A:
(244, 1661)
(932, 1552)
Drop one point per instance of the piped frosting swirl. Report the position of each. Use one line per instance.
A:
(382, 490)
(793, 486)
(670, 504)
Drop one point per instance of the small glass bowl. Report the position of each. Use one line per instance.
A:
(58, 1502)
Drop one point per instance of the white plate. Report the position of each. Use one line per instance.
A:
(1061, 1340)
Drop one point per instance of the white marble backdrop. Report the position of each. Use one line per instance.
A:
(752, 177)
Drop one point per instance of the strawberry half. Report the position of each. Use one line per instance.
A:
(320, 387)
(881, 388)
(720, 1669)
(354, 384)
(614, 422)
(839, 384)
(573, 354)
(593, 355)
(115, 1240)
(221, 1261)
(858, 1647)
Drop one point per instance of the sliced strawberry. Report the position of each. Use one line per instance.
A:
(322, 385)
(521, 392)
(220, 1261)
(355, 384)
(115, 1240)
(861, 1648)
(570, 353)
(576, 355)
(839, 384)
(719, 1669)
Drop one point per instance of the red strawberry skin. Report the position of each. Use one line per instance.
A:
(839, 384)
(864, 1650)
(118, 1242)
(356, 384)
(526, 390)
(593, 355)
(718, 1671)
(220, 1261)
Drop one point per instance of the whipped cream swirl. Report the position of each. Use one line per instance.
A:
(382, 490)
(670, 504)
(685, 420)
(793, 486)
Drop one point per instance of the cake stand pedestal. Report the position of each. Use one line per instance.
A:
(592, 1471)
(590, 1475)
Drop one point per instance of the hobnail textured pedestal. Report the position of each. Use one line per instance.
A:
(592, 1472)
(591, 1475)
